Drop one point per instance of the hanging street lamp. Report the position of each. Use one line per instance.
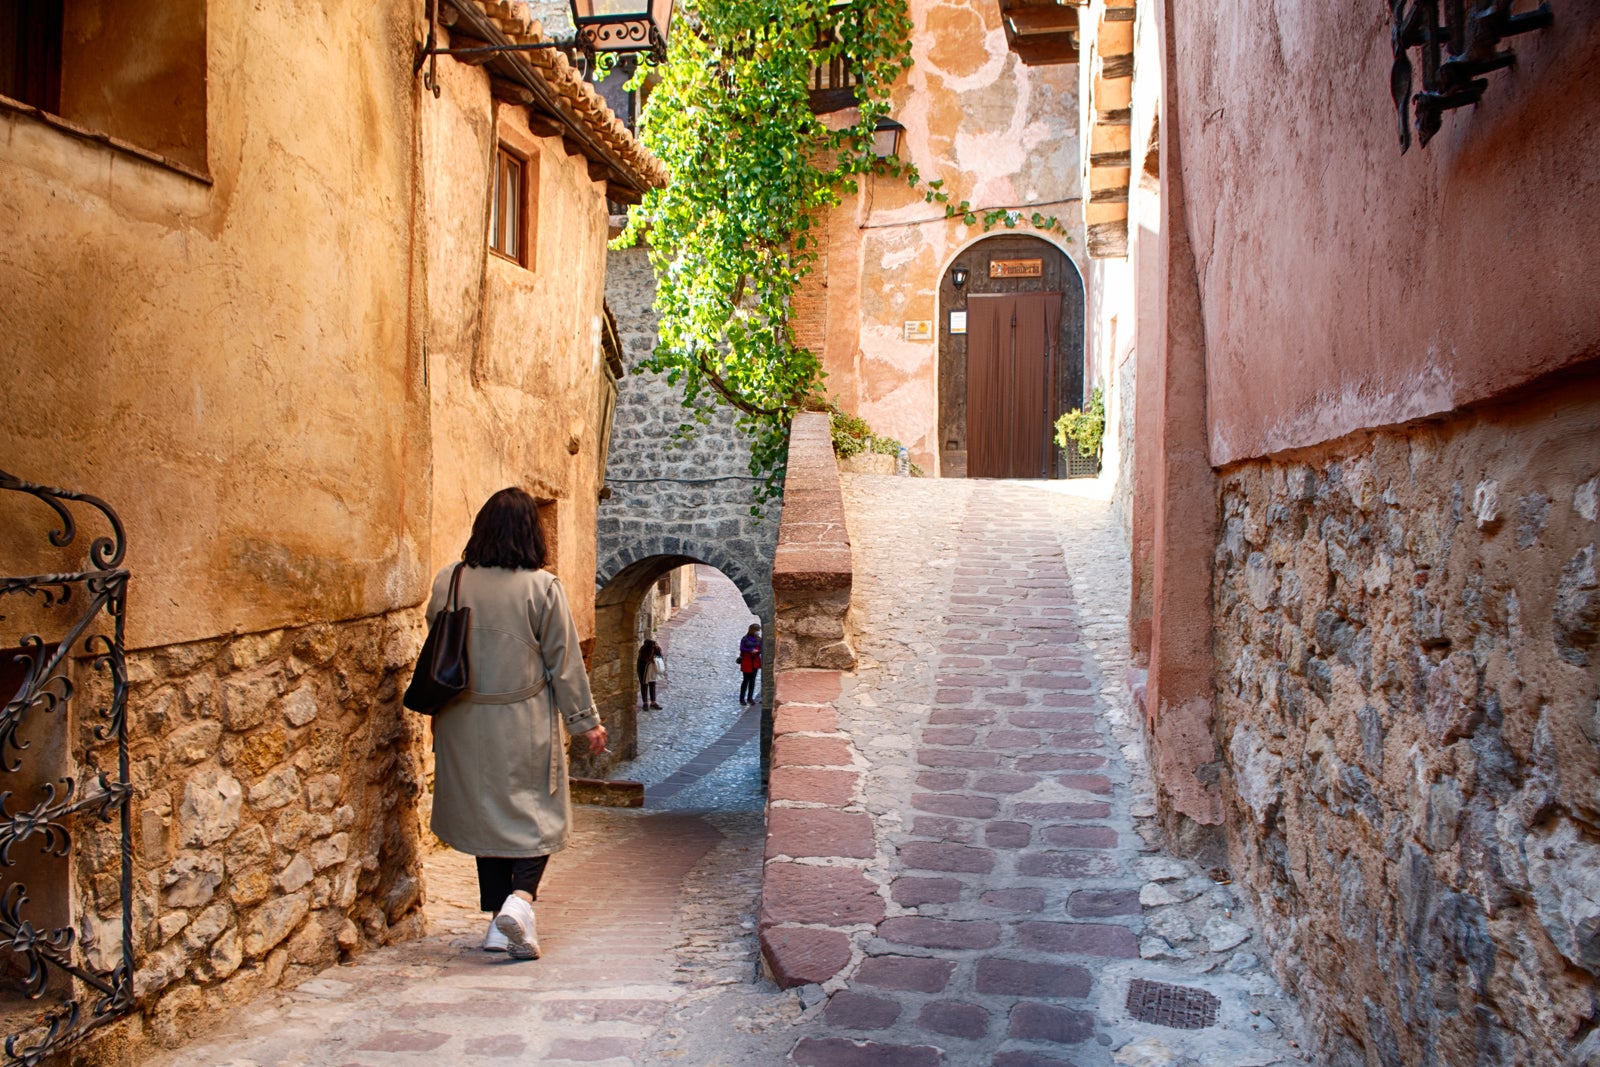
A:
(620, 27)
(623, 26)
(886, 138)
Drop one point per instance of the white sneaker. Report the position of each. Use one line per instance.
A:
(516, 922)
(493, 939)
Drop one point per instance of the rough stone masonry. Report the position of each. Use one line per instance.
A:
(1408, 683)
(275, 826)
(675, 494)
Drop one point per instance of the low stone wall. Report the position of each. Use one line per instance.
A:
(811, 567)
(813, 891)
(276, 818)
(1406, 630)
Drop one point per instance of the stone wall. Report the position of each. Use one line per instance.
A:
(678, 495)
(811, 570)
(675, 490)
(275, 824)
(1407, 694)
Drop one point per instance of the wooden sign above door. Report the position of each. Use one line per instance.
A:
(1016, 268)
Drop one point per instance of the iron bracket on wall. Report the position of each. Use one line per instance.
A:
(430, 50)
(594, 35)
(90, 997)
(1459, 41)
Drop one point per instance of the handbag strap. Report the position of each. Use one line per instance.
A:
(454, 600)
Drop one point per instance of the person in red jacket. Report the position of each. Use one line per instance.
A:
(749, 664)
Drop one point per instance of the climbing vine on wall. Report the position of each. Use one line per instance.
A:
(753, 174)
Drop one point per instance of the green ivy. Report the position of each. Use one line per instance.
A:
(754, 172)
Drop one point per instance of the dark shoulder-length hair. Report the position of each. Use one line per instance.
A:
(507, 533)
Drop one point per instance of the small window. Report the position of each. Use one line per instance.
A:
(30, 52)
(508, 230)
(135, 69)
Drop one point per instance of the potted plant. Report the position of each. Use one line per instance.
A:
(1083, 432)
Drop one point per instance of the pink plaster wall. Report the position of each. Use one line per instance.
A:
(1348, 286)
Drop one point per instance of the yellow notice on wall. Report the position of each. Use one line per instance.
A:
(1016, 268)
(919, 329)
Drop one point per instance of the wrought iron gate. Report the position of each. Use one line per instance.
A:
(93, 598)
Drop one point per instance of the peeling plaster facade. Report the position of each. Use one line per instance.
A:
(1000, 135)
(282, 350)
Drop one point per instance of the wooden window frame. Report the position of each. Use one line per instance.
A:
(506, 159)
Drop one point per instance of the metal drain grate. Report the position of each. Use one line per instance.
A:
(1172, 1005)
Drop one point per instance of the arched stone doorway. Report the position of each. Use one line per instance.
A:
(1010, 357)
(624, 583)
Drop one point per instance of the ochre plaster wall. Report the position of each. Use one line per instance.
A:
(1348, 286)
(232, 364)
(514, 359)
(237, 366)
(999, 134)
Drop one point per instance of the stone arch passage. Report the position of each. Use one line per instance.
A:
(624, 579)
(670, 498)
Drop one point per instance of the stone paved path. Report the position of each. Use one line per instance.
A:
(701, 751)
(1011, 849)
(645, 921)
(1021, 895)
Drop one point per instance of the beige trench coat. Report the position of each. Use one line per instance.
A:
(500, 784)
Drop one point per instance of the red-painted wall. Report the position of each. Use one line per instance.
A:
(1346, 285)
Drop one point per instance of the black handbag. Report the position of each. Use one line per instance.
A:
(443, 672)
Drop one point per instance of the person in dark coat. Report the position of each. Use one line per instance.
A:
(749, 663)
(649, 665)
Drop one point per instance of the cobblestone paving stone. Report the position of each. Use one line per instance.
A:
(1009, 809)
(647, 926)
(1011, 805)
(700, 751)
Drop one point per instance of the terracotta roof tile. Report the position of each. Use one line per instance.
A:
(515, 21)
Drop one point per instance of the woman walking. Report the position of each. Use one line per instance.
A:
(650, 666)
(500, 787)
(749, 663)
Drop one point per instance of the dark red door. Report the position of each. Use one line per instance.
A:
(1010, 367)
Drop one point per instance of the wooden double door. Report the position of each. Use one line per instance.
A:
(1011, 384)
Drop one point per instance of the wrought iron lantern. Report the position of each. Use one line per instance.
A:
(958, 277)
(886, 138)
(623, 26)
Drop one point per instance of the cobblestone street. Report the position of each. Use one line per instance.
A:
(1012, 847)
(701, 751)
(1015, 891)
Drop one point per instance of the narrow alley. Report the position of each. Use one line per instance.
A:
(1018, 893)
(1157, 441)
(700, 750)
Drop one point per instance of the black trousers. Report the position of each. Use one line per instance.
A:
(498, 878)
(647, 693)
(747, 688)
